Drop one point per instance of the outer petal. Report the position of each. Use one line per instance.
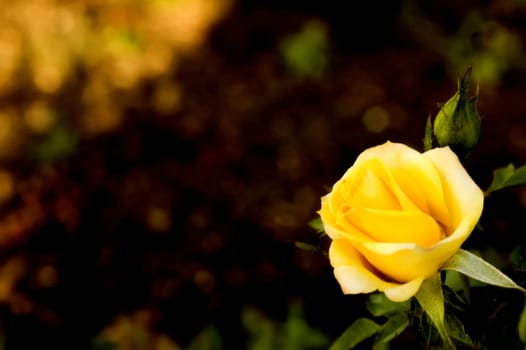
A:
(355, 275)
(404, 291)
(405, 262)
(462, 195)
(356, 280)
(328, 218)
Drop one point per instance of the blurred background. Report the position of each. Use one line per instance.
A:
(158, 159)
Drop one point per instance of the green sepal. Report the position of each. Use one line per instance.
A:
(428, 134)
(431, 299)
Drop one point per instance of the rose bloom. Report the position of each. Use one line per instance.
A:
(396, 216)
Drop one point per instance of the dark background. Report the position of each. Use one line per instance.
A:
(159, 160)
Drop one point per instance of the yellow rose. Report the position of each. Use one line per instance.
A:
(396, 216)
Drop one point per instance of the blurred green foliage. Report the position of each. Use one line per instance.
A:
(208, 339)
(294, 334)
(492, 48)
(489, 46)
(306, 53)
(59, 143)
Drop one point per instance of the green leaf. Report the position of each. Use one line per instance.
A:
(262, 332)
(428, 134)
(379, 305)
(308, 247)
(459, 286)
(506, 177)
(296, 333)
(317, 225)
(392, 328)
(454, 301)
(522, 325)
(360, 330)
(457, 330)
(381, 346)
(208, 339)
(518, 258)
(477, 268)
(431, 299)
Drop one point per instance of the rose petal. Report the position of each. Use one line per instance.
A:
(414, 174)
(462, 195)
(376, 166)
(396, 226)
(402, 292)
(352, 273)
(364, 189)
(335, 224)
(342, 253)
(356, 280)
(406, 262)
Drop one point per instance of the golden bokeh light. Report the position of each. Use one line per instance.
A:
(158, 219)
(10, 133)
(38, 117)
(10, 53)
(115, 46)
(7, 185)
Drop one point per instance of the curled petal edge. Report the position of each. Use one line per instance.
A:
(357, 280)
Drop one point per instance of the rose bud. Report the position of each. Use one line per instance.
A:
(457, 124)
